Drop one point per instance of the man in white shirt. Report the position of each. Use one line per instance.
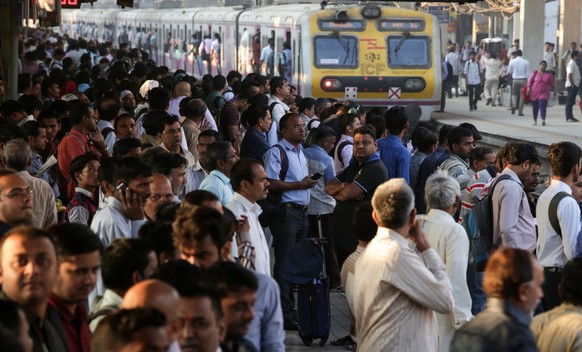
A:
(249, 181)
(519, 70)
(123, 214)
(220, 158)
(492, 73)
(572, 85)
(397, 288)
(181, 90)
(473, 74)
(557, 244)
(550, 57)
(513, 223)
(279, 92)
(453, 58)
(343, 152)
(449, 239)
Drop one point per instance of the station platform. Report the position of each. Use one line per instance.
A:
(498, 122)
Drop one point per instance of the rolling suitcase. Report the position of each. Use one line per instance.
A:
(313, 308)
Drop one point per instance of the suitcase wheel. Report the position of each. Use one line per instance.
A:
(306, 340)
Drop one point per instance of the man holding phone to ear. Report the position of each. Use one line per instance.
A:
(123, 214)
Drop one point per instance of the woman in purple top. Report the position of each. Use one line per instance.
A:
(539, 85)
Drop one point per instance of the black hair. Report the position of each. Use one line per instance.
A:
(277, 82)
(153, 122)
(457, 134)
(476, 134)
(182, 275)
(159, 98)
(571, 282)
(323, 132)
(79, 110)
(366, 130)
(226, 277)
(123, 146)
(121, 259)
(78, 164)
(108, 107)
(218, 82)
(159, 234)
(130, 168)
(444, 133)
(30, 103)
(563, 156)
(254, 113)
(478, 154)
(153, 155)
(396, 119)
(520, 152)
(243, 171)
(216, 151)
(306, 103)
(74, 239)
(9, 107)
(423, 139)
(345, 121)
(364, 225)
(168, 163)
(197, 197)
(379, 124)
(31, 128)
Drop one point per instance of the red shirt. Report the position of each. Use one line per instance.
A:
(76, 326)
(72, 145)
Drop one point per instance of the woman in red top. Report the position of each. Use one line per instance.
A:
(539, 85)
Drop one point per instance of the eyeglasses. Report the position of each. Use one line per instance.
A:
(158, 197)
(229, 156)
(18, 193)
(298, 127)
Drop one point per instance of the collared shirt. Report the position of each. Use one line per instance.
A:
(396, 290)
(346, 153)
(277, 113)
(550, 58)
(185, 153)
(44, 206)
(36, 165)
(297, 170)
(347, 275)
(454, 58)
(239, 205)
(111, 137)
(395, 157)
(195, 176)
(415, 160)
(519, 68)
(559, 329)
(25, 120)
(318, 161)
(473, 72)
(572, 68)
(512, 219)
(500, 327)
(450, 241)
(191, 132)
(266, 331)
(493, 68)
(254, 144)
(554, 250)
(219, 184)
(110, 223)
(75, 325)
(109, 300)
(174, 106)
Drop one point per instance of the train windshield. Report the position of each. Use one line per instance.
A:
(336, 51)
(408, 52)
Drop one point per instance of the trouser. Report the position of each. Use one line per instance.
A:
(491, 86)
(540, 105)
(453, 83)
(331, 265)
(444, 86)
(552, 277)
(475, 285)
(570, 100)
(516, 101)
(473, 91)
(198, 61)
(289, 227)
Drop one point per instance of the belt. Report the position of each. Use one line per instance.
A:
(554, 269)
(302, 208)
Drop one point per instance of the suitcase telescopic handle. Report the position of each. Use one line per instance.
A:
(322, 241)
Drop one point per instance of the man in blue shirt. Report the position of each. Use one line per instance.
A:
(393, 153)
(254, 144)
(290, 222)
(220, 158)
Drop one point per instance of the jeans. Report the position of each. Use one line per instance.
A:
(289, 227)
(475, 284)
(198, 62)
(516, 101)
(572, 92)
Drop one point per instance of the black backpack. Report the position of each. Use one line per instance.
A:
(271, 204)
(553, 211)
(339, 151)
(449, 71)
(482, 239)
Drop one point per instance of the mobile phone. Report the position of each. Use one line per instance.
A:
(122, 187)
(316, 176)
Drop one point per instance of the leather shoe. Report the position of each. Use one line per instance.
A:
(572, 119)
(291, 325)
(342, 341)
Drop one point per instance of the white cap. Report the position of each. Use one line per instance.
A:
(147, 86)
(125, 93)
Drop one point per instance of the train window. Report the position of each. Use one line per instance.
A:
(336, 51)
(410, 52)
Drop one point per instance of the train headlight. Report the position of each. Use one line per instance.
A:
(331, 85)
(414, 85)
(371, 11)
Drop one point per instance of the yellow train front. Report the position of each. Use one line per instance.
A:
(378, 56)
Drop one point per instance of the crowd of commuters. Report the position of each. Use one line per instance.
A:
(135, 212)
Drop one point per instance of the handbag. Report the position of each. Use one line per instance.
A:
(524, 95)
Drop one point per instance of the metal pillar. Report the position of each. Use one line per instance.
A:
(9, 45)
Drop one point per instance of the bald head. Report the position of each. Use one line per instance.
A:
(183, 89)
(160, 192)
(159, 295)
